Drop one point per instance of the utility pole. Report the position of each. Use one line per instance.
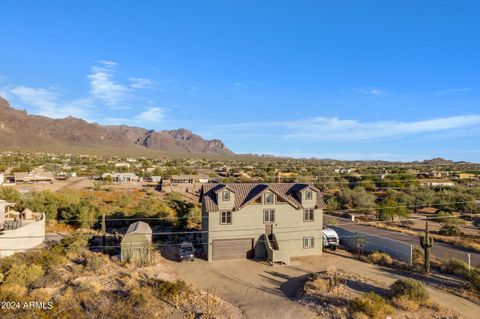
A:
(426, 242)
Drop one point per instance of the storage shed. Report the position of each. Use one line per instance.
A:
(136, 243)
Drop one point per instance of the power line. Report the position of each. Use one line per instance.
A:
(254, 229)
(324, 211)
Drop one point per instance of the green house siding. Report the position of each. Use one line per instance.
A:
(289, 228)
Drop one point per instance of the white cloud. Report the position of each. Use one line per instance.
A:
(104, 91)
(451, 91)
(154, 114)
(343, 130)
(140, 83)
(371, 91)
(237, 86)
(103, 86)
(47, 102)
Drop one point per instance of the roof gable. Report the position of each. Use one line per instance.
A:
(246, 193)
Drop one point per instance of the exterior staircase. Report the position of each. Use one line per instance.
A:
(274, 254)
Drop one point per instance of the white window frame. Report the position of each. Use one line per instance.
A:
(308, 242)
(269, 216)
(308, 194)
(228, 215)
(227, 197)
(265, 199)
(310, 212)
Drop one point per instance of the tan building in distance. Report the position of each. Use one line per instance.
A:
(33, 177)
(274, 221)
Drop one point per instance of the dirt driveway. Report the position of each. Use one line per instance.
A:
(262, 291)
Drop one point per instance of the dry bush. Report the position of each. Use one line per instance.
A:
(12, 292)
(454, 266)
(95, 262)
(41, 294)
(409, 289)
(371, 305)
(24, 275)
(405, 303)
(329, 282)
(380, 258)
(474, 278)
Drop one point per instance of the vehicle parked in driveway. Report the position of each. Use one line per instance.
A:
(186, 251)
(330, 238)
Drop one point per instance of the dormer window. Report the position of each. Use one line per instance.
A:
(308, 195)
(226, 196)
(268, 200)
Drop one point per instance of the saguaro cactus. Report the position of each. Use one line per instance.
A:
(426, 242)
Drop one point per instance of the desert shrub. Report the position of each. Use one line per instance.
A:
(94, 262)
(48, 259)
(380, 258)
(473, 278)
(141, 297)
(454, 266)
(24, 275)
(74, 244)
(12, 292)
(405, 303)
(450, 230)
(417, 255)
(371, 305)
(409, 289)
(171, 289)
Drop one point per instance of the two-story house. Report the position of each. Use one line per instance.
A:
(263, 221)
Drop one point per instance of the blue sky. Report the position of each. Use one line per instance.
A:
(394, 80)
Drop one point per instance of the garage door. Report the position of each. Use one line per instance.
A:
(239, 248)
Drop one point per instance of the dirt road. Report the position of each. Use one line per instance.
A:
(262, 291)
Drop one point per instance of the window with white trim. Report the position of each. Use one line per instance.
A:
(269, 199)
(308, 195)
(308, 242)
(268, 216)
(309, 215)
(226, 196)
(225, 217)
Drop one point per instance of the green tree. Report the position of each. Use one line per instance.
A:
(390, 208)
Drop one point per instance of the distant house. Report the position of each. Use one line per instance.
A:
(466, 176)
(126, 165)
(33, 177)
(189, 179)
(27, 225)
(135, 246)
(344, 170)
(436, 183)
(121, 177)
(156, 179)
(2, 178)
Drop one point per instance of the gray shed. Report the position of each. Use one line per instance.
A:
(136, 243)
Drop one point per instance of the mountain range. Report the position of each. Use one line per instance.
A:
(20, 130)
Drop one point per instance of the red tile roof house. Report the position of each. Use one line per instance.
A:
(274, 221)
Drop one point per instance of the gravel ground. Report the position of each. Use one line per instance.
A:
(262, 291)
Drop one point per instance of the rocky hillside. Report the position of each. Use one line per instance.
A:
(19, 129)
(180, 139)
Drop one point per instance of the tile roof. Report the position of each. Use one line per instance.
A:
(247, 192)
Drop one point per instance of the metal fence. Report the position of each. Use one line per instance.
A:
(368, 243)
